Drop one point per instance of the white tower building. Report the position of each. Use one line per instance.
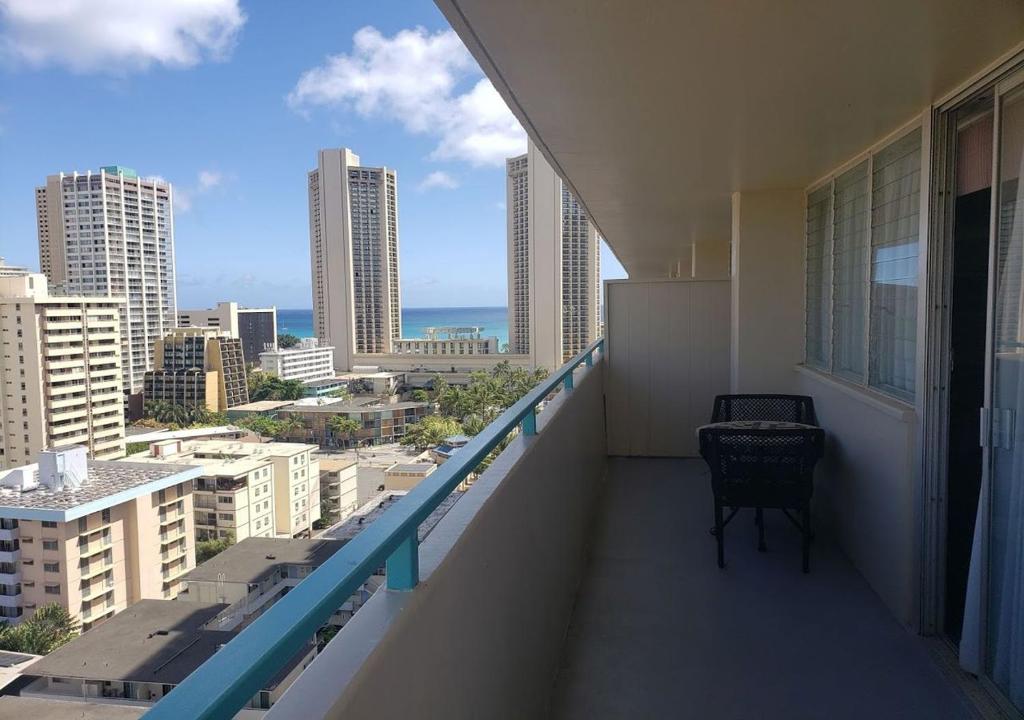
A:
(353, 243)
(553, 264)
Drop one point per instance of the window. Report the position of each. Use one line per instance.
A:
(106, 515)
(49, 544)
(225, 500)
(83, 524)
(52, 589)
(49, 524)
(51, 567)
(861, 274)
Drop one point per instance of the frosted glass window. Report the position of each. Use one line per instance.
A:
(895, 218)
(819, 277)
(850, 277)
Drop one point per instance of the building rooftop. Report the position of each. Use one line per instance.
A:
(226, 457)
(261, 405)
(13, 707)
(327, 382)
(107, 483)
(334, 464)
(156, 641)
(147, 435)
(424, 468)
(254, 558)
(372, 510)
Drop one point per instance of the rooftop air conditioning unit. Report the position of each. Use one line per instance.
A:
(63, 469)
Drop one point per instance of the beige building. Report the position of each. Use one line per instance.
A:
(60, 371)
(93, 536)
(449, 341)
(553, 264)
(406, 476)
(353, 242)
(255, 327)
(111, 234)
(339, 488)
(200, 367)
(248, 489)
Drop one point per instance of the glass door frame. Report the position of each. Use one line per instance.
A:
(933, 431)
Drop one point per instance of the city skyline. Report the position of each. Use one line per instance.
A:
(452, 219)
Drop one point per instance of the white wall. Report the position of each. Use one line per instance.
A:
(866, 486)
(514, 542)
(668, 356)
(767, 289)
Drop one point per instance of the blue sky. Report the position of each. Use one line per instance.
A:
(230, 102)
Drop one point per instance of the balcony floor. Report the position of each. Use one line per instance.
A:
(659, 631)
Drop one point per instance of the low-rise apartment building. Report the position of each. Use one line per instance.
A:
(198, 367)
(406, 476)
(256, 328)
(307, 361)
(93, 536)
(60, 370)
(248, 489)
(339, 488)
(381, 422)
(447, 346)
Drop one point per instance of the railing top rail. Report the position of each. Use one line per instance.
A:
(229, 679)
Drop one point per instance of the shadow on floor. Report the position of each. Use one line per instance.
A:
(660, 632)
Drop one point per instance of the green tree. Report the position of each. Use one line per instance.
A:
(270, 387)
(261, 425)
(473, 424)
(206, 549)
(430, 430)
(135, 447)
(419, 395)
(342, 426)
(287, 340)
(49, 627)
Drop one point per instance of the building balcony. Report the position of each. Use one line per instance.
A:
(10, 556)
(15, 600)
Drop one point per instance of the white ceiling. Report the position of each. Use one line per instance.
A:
(656, 111)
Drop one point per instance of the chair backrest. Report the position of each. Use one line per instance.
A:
(771, 457)
(784, 408)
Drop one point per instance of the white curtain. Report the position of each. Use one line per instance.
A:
(996, 648)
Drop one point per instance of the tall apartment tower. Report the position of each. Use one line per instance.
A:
(60, 371)
(554, 268)
(111, 234)
(353, 247)
(198, 367)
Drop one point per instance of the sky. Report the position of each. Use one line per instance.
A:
(230, 100)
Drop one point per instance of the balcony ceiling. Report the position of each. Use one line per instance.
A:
(657, 111)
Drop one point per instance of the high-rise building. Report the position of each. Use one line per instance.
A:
(553, 264)
(93, 536)
(60, 370)
(255, 327)
(198, 367)
(111, 234)
(353, 242)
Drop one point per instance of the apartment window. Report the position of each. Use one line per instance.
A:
(49, 544)
(51, 567)
(225, 499)
(83, 524)
(52, 589)
(106, 515)
(49, 524)
(861, 274)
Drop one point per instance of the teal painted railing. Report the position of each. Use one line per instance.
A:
(226, 682)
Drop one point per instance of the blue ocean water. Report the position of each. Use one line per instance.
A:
(493, 320)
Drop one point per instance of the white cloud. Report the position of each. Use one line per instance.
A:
(116, 36)
(417, 78)
(209, 179)
(437, 179)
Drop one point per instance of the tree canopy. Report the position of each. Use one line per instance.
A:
(287, 340)
(264, 386)
(430, 430)
(279, 429)
(177, 416)
(344, 427)
(487, 394)
(49, 627)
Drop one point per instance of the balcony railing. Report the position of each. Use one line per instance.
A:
(242, 668)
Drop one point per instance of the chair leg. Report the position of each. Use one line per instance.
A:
(720, 534)
(806, 522)
(761, 547)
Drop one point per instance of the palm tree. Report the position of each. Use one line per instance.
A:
(344, 426)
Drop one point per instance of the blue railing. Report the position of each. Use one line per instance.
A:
(226, 682)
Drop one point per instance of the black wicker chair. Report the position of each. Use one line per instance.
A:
(763, 467)
(783, 408)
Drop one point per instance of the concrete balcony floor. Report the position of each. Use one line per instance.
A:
(659, 631)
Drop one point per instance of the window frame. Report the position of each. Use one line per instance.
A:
(828, 180)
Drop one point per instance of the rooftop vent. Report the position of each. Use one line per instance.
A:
(63, 469)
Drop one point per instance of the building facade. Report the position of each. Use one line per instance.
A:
(255, 327)
(458, 345)
(198, 367)
(381, 422)
(353, 239)
(553, 264)
(111, 234)
(60, 371)
(308, 361)
(92, 536)
(248, 489)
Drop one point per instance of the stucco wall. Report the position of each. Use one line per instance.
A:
(482, 634)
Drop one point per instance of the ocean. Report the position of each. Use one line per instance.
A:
(493, 320)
